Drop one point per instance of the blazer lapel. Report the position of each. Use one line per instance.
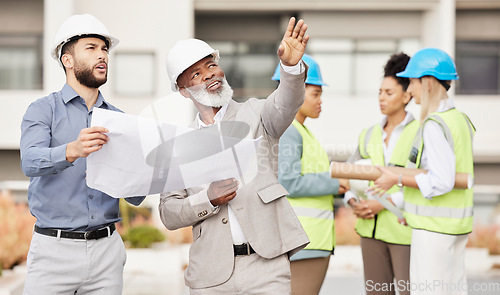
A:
(230, 115)
(230, 111)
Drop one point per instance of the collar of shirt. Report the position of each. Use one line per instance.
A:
(217, 118)
(408, 118)
(396, 133)
(445, 105)
(68, 94)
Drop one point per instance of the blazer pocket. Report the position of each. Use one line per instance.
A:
(272, 193)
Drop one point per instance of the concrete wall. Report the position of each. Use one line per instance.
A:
(21, 16)
(154, 26)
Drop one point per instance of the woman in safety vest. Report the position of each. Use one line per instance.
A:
(304, 171)
(385, 243)
(440, 216)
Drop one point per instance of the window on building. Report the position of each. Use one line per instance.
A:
(134, 73)
(355, 66)
(247, 44)
(21, 62)
(349, 67)
(478, 67)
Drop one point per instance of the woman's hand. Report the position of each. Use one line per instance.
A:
(387, 180)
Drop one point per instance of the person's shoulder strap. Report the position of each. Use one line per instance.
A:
(364, 140)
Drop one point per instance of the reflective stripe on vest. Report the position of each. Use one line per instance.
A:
(315, 213)
(385, 225)
(431, 211)
(452, 212)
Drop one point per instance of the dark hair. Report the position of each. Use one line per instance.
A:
(68, 47)
(396, 64)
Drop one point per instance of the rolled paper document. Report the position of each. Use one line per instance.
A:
(366, 172)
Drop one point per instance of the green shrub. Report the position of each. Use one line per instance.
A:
(143, 236)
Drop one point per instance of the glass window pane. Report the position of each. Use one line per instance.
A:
(20, 64)
(409, 46)
(336, 70)
(376, 45)
(369, 69)
(330, 45)
(134, 73)
(248, 67)
(478, 67)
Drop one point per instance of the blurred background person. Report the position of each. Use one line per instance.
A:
(304, 171)
(440, 216)
(385, 243)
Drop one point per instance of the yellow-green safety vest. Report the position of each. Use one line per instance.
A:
(315, 213)
(385, 225)
(450, 213)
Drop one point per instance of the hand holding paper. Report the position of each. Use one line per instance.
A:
(145, 156)
(221, 192)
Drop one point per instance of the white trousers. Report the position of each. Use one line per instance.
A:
(66, 266)
(437, 263)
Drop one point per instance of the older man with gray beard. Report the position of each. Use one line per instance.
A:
(243, 234)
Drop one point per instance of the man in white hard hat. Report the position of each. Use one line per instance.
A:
(75, 247)
(244, 231)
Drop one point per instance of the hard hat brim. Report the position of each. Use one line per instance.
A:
(439, 76)
(56, 51)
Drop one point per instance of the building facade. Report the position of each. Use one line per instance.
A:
(351, 39)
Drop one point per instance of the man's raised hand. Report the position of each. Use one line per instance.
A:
(294, 43)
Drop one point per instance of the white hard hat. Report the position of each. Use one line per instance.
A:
(184, 54)
(78, 25)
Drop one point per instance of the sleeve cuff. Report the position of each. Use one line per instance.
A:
(349, 195)
(294, 70)
(58, 158)
(424, 185)
(136, 201)
(202, 198)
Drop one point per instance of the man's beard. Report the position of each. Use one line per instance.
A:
(85, 76)
(222, 96)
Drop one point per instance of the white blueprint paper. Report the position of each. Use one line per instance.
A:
(144, 156)
(387, 204)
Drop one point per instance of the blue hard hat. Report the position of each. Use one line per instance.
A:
(313, 74)
(430, 62)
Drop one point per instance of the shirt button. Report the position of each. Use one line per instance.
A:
(224, 220)
(91, 197)
(92, 217)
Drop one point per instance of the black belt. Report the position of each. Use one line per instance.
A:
(89, 235)
(243, 249)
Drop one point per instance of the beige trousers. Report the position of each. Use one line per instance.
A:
(308, 275)
(253, 274)
(386, 267)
